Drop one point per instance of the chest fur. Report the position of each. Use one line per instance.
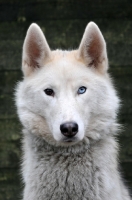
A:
(63, 177)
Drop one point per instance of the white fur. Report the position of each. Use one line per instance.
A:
(86, 168)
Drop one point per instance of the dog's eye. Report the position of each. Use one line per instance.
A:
(81, 90)
(49, 92)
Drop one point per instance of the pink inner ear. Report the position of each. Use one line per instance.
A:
(34, 52)
(94, 50)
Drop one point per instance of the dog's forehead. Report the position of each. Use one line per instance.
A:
(65, 60)
(65, 64)
(64, 68)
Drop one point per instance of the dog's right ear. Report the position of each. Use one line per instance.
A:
(35, 50)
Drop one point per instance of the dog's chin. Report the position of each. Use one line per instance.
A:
(69, 141)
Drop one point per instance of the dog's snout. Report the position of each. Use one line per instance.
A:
(69, 129)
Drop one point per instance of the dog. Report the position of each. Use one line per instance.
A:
(68, 107)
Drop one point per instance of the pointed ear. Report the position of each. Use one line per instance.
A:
(35, 50)
(92, 49)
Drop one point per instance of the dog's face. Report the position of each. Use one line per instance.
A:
(66, 96)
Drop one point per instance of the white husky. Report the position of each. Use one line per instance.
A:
(68, 107)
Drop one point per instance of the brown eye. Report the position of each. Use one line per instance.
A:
(49, 92)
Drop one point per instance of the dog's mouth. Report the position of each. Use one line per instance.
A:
(69, 140)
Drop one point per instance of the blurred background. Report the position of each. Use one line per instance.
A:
(63, 22)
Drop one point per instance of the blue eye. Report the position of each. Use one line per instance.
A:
(81, 90)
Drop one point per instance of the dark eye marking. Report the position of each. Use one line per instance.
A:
(82, 90)
(49, 92)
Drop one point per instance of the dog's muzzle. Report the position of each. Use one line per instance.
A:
(69, 129)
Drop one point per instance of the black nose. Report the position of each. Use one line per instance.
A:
(69, 129)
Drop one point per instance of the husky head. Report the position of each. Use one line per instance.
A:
(66, 96)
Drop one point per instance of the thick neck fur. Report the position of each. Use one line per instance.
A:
(39, 145)
(66, 173)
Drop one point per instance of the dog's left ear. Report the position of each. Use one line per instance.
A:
(92, 49)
